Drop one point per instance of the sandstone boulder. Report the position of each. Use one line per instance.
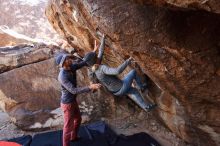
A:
(23, 54)
(28, 71)
(29, 93)
(178, 50)
(8, 40)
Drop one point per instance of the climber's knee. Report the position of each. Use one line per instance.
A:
(133, 71)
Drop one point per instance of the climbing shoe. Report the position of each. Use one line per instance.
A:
(150, 107)
(144, 87)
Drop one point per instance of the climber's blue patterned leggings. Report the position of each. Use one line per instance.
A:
(133, 93)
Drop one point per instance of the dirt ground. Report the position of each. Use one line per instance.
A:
(132, 125)
(165, 138)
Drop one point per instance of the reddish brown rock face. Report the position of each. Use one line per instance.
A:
(178, 50)
(212, 6)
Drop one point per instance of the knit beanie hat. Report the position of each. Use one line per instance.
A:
(90, 58)
(60, 59)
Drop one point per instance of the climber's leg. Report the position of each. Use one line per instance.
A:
(134, 94)
(127, 81)
(132, 75)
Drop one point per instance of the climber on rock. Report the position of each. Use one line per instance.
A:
(107, 76)
(69, 105)
(93, 58)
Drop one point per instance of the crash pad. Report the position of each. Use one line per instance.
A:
(95, 134)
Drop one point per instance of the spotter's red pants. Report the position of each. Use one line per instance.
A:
(72, 121)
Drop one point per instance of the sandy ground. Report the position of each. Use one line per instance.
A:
(165, 138)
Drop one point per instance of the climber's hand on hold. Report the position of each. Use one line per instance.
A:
(130, 59)
(99, 34)
(133, 63)
(95, 46)
(103, 35)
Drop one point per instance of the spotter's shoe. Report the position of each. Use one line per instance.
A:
(76, 139)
